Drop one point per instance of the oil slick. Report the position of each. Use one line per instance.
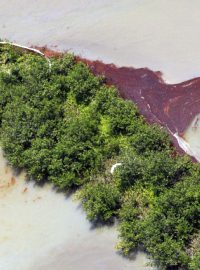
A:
(126, 33)
(159, 34)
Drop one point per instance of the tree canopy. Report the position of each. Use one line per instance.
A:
(65, 125)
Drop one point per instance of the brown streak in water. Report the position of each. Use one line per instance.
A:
(38, 198)
(47, 52)
(25, 190)
(13, 181)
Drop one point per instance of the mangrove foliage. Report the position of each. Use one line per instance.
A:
(64, 125)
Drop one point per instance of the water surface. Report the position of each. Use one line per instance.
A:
(159, 34)
(41, 229)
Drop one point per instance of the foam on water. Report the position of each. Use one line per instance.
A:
(41, 229)
(192, 137)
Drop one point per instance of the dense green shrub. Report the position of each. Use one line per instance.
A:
(101, 201)
(150, 138)
(162, 224)
(156, 169)
(63, 124)
(195, 263)
(135, 207)
(170, 223)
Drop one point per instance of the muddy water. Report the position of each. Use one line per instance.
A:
(41, 229)
(160, 34)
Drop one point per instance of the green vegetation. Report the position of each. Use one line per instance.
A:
(64, 125)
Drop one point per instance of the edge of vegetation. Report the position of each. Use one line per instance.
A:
(68, 127)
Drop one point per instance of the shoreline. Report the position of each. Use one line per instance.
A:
(158, 101)
(133, 122)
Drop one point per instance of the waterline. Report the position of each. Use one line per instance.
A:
(42, 229)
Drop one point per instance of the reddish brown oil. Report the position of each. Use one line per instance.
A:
(171, 105)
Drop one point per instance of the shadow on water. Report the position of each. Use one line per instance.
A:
(99, 224)
(69, 234)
